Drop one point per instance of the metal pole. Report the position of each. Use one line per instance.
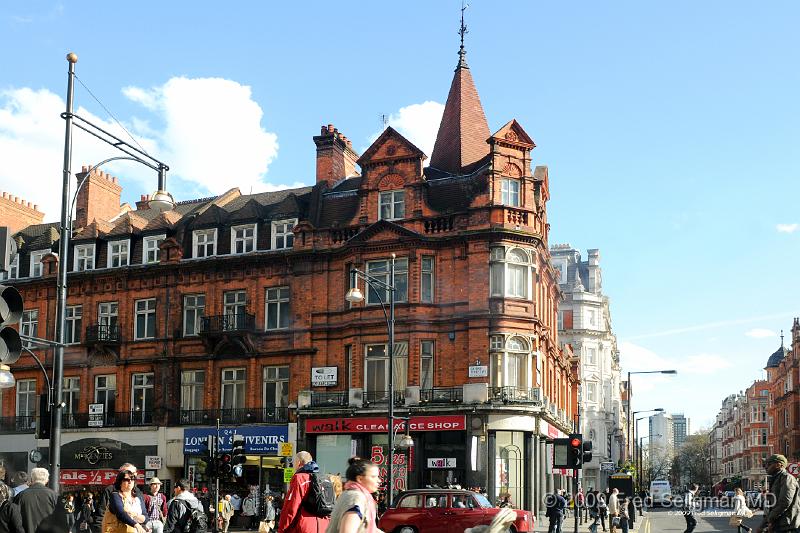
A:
(635, 436)
(390, 492)
(628, 416)
(575, 508)
(61, 292)
(216, 482)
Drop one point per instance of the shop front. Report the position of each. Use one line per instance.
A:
(438, 457)
(263, 472)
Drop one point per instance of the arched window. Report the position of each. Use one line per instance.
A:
(511, 363)
(511, 272)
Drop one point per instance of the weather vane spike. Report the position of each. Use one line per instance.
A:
(462, 31)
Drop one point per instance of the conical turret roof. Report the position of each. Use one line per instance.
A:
(463, 132)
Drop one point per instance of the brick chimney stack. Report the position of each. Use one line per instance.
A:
(143, 203)
(17, 213)
(98, 199)
(335, 156)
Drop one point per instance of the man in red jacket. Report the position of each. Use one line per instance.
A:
(295, 518)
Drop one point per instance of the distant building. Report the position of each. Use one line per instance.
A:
(662, 433)
(680, 429)
(783, 377)
(584, 322)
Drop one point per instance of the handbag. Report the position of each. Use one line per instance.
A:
(735, 520)
(265, 526)
(748, 513)
(615, 521)
(112, 524)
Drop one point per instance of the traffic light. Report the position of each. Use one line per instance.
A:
(208, 461)
(587, 451)
(224, 466)
(10, 313)
(8, 249)
(575, 451)
(238, 458)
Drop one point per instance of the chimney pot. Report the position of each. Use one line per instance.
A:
(331, 129)
(35, 207)
(16, 200)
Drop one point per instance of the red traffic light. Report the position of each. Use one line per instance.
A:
(225, 458)
(575, 442)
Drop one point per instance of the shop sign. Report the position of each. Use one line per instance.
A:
(400, 468)
(94, 454)
(324, 376)
(479, 371)
(607, 466)
(96, 415)
(102, 476)
(285, 449)
(287, 475)
(152, 462)
(257, 439)
(550, 431)
(381, 424)
(436, 462)
(793, 469)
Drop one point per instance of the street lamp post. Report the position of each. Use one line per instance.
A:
(636, 459)
(354, 295)
(161, 201)
(628, 443)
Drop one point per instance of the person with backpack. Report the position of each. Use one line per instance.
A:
(185, 514)
(305, 507)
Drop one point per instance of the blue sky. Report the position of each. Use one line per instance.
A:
(670, 131)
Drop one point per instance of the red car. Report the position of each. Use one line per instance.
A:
(444, 511)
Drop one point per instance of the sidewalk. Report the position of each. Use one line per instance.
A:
(568, 526)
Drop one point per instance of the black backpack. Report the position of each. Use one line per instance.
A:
(320, 497)
(196, 520)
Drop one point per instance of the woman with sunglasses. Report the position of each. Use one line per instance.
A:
(125, 513)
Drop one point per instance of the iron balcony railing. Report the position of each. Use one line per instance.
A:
(373, 396)
(17, 424)
(256, 415)
(442, 395)
(103, 333)
(226, 323)
(330, 399)
(515, 394)
(13, 424)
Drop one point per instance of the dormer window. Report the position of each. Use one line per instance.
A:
(36, 263)
(510, 192)
(392, 205)
(84, 257)
(282, 234)
(204, 242)
(118, 253)
(150, 250)
(243, 239)
(13, 270)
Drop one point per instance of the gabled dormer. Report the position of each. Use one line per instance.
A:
(512, 181)
(392, 172)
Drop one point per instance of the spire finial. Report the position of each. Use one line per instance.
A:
(781, 338)
(462, 53)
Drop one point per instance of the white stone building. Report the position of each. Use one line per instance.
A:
(584, 322)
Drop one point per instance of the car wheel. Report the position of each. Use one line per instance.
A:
(405, 529)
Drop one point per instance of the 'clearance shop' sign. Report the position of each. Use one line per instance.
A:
(381, 425)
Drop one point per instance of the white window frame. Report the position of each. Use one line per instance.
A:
(427, 277)
(84, 257)
(510, 192)
(150, 244)
(142, 382)
(516, 350)
(73, 324)
(27, 388)
(395, 202)
(190, 386)
(37, 269)
(591, 355)
(212, 242)
(278, 300)
(72, 394)
(400, 281)
(190, 305)
(285, 235)
(274, 374)
(427, 360)
(29, 324)
(110, 386)
(230, 381)
(117, 255)
(149, 313)
(248, 242)
(400, 357)
(502, 266)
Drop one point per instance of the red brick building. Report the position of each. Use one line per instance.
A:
(784, 412)
(233, 307)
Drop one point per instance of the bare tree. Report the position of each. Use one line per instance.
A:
(690, 464)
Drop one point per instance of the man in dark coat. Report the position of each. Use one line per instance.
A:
(38, 502)
(10, 519)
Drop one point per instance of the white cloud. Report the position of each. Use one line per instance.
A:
(787, 228)
(206, 155)
(703, 364)
(760, 333)
(419, 123)
(228, 149)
